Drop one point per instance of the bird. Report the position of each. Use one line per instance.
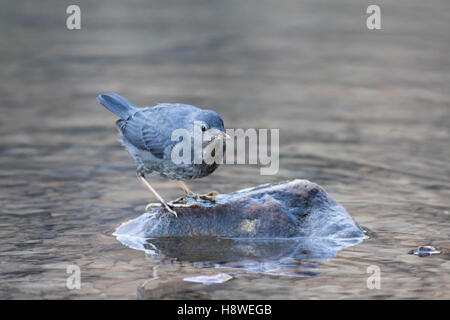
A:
(146, 133)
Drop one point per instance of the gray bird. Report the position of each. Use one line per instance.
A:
(146, 134)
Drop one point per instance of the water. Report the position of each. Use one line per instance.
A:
(365, 114)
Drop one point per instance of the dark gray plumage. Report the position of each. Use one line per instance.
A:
(146, 134)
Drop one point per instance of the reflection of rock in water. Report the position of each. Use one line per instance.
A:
(283, 228)
(173, 288)
(297, 256)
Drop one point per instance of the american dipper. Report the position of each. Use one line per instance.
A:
(146, 133)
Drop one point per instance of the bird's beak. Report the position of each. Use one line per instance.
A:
(223, 136)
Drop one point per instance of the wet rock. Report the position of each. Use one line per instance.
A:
(284, 229)
(293, 209)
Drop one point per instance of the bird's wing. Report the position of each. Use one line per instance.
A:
(146, 131)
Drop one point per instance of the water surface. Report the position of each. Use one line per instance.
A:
(365, 114)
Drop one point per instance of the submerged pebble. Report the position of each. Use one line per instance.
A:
(424, 251)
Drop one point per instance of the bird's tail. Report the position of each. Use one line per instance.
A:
(117, 104)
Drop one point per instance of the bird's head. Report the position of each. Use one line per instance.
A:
(210, 124)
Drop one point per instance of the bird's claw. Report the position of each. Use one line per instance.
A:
(165, 205)
(171, 205)
(210, 196)
(171, 211)
(182, 202)
(186, 205)
(182, 199)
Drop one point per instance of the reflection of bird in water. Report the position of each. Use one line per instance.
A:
(146, 134)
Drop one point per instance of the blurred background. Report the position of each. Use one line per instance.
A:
(364, 113)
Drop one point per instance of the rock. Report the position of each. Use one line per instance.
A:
(285, 229)
(424, 251)
(293, 209)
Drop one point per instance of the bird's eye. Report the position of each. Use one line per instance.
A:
(203, 128)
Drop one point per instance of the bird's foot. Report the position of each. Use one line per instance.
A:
(178, 203)
(180, 200)
(209, 196)
(168, 207)
(183, 202)
(186, 205)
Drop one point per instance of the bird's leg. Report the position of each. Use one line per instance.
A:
(185, 187)
(141, 177)
(210, 196)
(183, 198)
